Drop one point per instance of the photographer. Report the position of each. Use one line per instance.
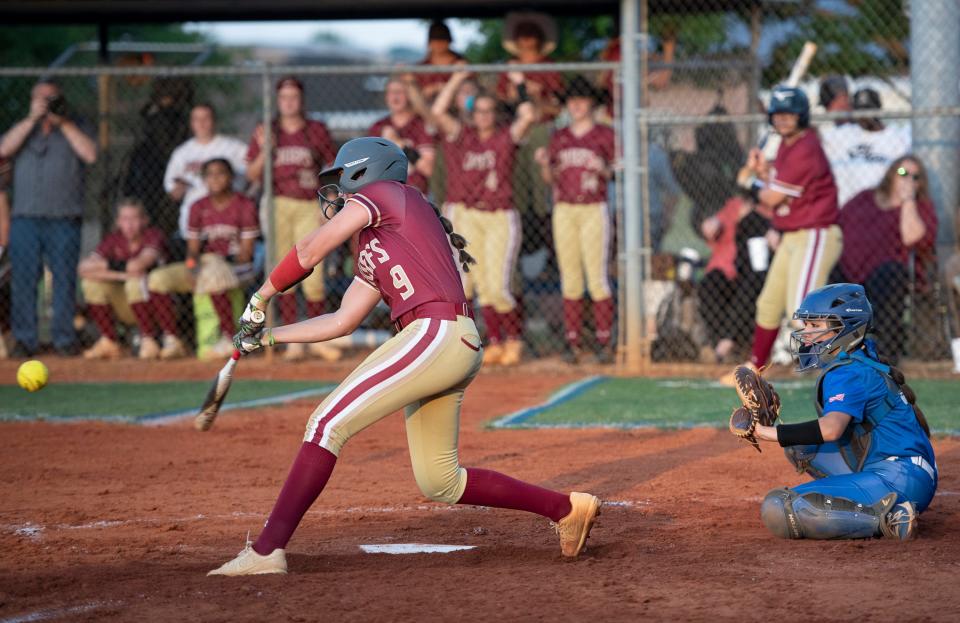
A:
(50, 151)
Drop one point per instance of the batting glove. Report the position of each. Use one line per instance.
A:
(247, 344)
(253, 318)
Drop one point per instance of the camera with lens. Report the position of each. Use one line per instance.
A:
(57, 105)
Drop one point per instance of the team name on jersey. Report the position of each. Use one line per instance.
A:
(220, 230)
(579, 157)
(373, 255)
(479, 160)
(864, 152)
(294, 155)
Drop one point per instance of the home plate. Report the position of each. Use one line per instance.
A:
(414, 548)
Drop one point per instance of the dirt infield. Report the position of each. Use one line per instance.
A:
(119, 522)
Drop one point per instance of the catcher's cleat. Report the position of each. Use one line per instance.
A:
(295, 352)
(900, 522)
(325, 351)
(149, 349)
(492, 354)
(512, 353)
(575, 527)
(103, 348)
(249, 562)
(172, 348)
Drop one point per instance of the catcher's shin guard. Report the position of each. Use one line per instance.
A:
(790, 515)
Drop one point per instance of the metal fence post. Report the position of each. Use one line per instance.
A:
(266, 200)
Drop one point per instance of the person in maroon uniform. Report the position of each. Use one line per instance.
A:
(404, 260)
(579, 163)
(438, 53)
(221, 230)
(301, 147)
(889, 231)
(489, 221)
(405, 128)
(113, 280)
(799, 193)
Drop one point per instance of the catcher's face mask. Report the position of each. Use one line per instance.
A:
(815, 345)
(331, 200)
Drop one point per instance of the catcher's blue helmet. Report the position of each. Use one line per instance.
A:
(790, 100)
(849, 316)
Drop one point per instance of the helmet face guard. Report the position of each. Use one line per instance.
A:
(815, 348)
(331, 200)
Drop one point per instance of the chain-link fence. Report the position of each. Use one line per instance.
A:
(529, 175)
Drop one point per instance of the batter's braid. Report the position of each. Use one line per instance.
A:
(459, 242)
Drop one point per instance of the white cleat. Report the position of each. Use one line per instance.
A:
(249, 562)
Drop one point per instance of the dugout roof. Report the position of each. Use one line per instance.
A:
(133, 11)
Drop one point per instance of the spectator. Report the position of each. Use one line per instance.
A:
(164, 126)
(4, 242)
(488, 219)
(301, 148)
(406, 129)
(578, 164)
(861, 152)
(835, 96)
(50, 150)
(529, 38)
(438, 53)
(728, 291)
(799, 193)
(113, 279)
(664, 194)
(221, 230)
(888, 234)
(182, 179)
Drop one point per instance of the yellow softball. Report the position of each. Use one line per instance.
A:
(32, 375)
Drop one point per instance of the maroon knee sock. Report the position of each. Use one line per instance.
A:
(492, 321)
(288, 308)
(572, 320)
(307, 478)
(763, 340)
(163, 312)
(316, 308)
(141, 311)
(489, 488)
(513, 321)
(103, 318)
(224, 309)
(603, 320)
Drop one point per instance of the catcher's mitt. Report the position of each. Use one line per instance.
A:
(761, 404)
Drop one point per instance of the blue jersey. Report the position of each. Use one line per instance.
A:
(859, 390)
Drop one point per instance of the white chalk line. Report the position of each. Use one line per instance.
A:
(58, 613)
(33, 531)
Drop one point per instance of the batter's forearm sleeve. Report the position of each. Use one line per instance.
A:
(289, 272)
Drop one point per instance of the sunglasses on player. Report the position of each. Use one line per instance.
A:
(902, 172)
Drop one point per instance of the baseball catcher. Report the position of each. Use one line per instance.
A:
(868, 450)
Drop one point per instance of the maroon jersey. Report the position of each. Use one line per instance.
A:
(802, 172)
(578, 163)
(222, 229)
(115, 248)
(403, 252)
(487, 168)
(454, 181)
(425, 79)
(414, 134)
(297, 159)
(547, 83)
(871, 237)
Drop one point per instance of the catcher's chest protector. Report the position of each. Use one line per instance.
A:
(855, 442)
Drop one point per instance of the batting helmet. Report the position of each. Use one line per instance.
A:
(789, 100)
(366, 160)
(848, 314)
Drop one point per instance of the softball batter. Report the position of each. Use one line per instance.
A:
(489, 220)
(405, 259)
(800, 194)
(578, 165)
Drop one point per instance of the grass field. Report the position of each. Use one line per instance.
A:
(139, 401)
(682, 403)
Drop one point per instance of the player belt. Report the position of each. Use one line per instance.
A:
(920, 462)
(439, 310)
